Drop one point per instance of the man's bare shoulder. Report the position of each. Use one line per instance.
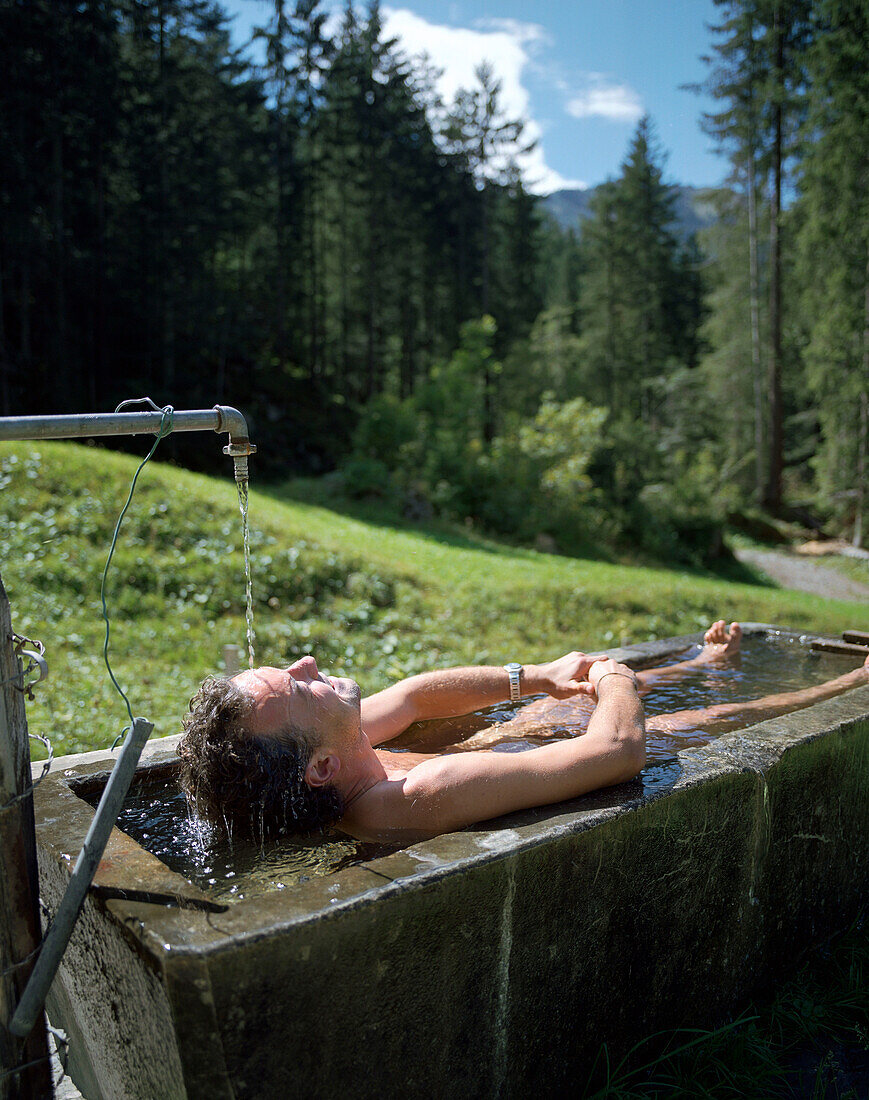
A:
(448, 792)
(407, 804)
(381, 814)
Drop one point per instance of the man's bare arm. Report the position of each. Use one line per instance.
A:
(769, 706)
(447, 693)
(449, 792)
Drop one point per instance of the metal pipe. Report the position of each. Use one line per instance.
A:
(57, 937)
(222, 418)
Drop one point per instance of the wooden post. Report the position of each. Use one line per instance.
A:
(20, 929)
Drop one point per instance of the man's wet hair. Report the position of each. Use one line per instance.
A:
(254, 786)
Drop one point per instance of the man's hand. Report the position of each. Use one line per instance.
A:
(606, 666)
(566, 676)
(449, 692)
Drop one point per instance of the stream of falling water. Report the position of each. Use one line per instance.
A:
(242, 504)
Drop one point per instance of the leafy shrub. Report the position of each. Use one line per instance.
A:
(366, 477)
(532, 479)
(672, 530)
(385, 425)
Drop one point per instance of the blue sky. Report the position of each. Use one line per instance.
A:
(580, 72)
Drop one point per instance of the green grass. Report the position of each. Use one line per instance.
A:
(810, 1040)
(855, 568)
(381, 598)
(368, 594)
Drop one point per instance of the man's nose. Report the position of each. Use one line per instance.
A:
(307, 666)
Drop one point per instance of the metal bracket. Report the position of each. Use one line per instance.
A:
(36, 663)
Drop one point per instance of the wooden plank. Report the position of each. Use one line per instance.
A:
(858, 637)
(20, 930)
(833, 646)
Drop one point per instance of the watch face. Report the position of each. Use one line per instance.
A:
(514, 666)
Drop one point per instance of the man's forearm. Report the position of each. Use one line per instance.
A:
(456, 789)
(618, 718)
(443, 693)
(449, 692)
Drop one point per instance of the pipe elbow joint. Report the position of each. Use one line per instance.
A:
(230, 420)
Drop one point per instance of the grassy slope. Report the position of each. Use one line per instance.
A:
(855, 568)
(382, 602)
(369, 598)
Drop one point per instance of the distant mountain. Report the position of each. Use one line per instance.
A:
(693, 208)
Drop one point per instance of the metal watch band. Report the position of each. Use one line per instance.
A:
(514, 671)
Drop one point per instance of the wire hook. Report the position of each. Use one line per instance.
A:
(37, 662)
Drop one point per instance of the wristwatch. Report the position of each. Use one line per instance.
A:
(514, 671)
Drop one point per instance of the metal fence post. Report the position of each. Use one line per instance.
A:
(20, 930)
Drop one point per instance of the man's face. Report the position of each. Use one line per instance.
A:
(301, 696)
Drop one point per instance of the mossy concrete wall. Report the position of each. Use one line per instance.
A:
(491, 962)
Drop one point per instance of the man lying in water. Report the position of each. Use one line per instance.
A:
(291, 750)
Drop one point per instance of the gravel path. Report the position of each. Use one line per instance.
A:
(793, 571)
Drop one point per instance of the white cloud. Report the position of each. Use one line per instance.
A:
(615, 102)
(508, 45)
(457, 51)
(531, 33)
(542, 180)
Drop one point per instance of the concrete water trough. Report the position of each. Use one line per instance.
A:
(489, 962)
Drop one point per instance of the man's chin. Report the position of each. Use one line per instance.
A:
(347, 689)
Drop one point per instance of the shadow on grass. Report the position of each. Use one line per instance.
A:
(380, 513)
(732, 569)
(377, 513)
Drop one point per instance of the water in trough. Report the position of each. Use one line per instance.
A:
(157, 816)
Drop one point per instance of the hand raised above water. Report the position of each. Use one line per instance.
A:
(565, 676)
(606, 666)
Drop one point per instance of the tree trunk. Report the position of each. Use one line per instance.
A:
(863, 441)
(20, 931)
(408, 314)
(754, 273)
(614, 387)
(25, 360)
(345, 379)
(754, 307)
(372, 344)
(488, 398)
(97, 369)
(5, 357)
(62, 369)
(167, 301)
(772, 495)
(312, 234)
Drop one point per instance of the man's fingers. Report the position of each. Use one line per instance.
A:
(575, 687)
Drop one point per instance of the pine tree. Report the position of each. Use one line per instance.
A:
(758, 74)
(57, 119)
(641, 306)
(833, 258)
(297, 57)
(478, 133)
(382, 187)
(733, 336)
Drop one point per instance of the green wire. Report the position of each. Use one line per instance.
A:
(165, 429)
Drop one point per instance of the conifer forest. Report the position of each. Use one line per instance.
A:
(317, 239)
